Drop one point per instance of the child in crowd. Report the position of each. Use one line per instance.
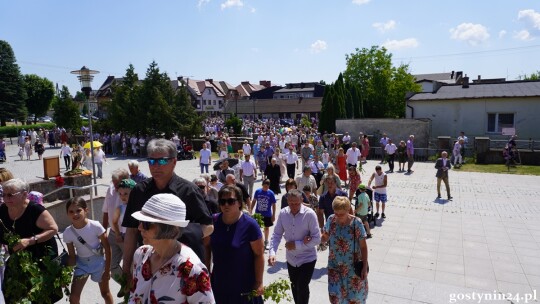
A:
(265, 199)
(124, 189)
(325, 158)
(313, 202)
(85, 238)
(361, 204)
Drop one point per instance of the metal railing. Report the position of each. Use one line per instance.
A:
(71, 188)
(530, 145)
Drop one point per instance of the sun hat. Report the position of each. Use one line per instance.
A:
(163, 208)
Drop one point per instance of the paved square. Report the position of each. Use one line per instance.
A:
(486, 240)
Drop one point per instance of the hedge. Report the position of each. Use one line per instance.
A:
(13, 131)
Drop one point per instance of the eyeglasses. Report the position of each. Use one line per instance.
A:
(160, 161)
(10, 195)
(202, 187)
(229, 201)
(146, 225)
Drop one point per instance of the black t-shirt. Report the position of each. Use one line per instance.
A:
(196, 210)
(25, 226)
(245, 193)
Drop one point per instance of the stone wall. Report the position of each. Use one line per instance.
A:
(46, 186)
(58, 211)
(396, 129)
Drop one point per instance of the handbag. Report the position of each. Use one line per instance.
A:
(63, 257)
(358, 265)
(98, 251)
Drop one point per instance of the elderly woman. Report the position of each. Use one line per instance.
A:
(237, 250)
(345, 233)
(30, 221)
(330, 172)
(5, 175)
(163, 268)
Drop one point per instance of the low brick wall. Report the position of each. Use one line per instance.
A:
(46, 186)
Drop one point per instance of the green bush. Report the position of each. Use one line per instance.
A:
(235, 123)
(13, 131)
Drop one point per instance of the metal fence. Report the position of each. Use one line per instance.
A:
(530, 145)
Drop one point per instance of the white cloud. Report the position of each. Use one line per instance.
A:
(202, 2)
(400, 44)
(318, 46)
(523, 35)
(253, 10)
(474, 34)
(360, 2)
(531, 18)
(384, 27)
(231, 3)
(502, 34)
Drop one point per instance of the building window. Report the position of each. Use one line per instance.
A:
(214, 102)
(498, 121)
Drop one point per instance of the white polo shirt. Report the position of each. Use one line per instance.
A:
(352, 156)
(292, 158)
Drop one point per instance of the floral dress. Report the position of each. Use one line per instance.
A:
(182, 279)
(344, 286)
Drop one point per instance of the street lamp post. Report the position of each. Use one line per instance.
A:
(85, 77)
(236, 102)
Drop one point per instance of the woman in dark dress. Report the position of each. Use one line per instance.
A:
(30, 221)
(39, 148)
(237, 252)
(402, 155)
(273, 173)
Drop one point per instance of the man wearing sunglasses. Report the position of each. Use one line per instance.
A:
(162, 161)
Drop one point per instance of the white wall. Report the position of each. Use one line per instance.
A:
(449, 117)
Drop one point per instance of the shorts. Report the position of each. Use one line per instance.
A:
(92, 266)
(268, 221)
(363, 218)
(379, 197)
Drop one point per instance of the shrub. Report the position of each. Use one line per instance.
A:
(13, 131)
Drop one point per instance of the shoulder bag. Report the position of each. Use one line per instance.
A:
(62, 258)
(98, 251)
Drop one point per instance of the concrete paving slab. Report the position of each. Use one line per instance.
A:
(427, 250)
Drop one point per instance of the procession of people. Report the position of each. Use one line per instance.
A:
(171, 238)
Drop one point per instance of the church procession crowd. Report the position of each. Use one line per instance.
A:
(180, 241)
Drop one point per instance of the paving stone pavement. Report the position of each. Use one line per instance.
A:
(485, 242)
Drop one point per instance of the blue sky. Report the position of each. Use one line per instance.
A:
(277, 40)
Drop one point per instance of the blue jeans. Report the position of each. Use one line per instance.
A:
(99, 172)
(204, 167)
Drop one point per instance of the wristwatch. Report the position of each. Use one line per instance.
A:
(35, 238)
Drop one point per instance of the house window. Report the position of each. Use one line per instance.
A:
(498, 121)
(214, 102)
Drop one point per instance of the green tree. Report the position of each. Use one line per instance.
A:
(533, 76)
(40, 93)
(84, 109)
(380, 86)
(12, 90)
(66, 111)
(152, 105)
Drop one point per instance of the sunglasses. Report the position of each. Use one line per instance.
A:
(160, 161)
(202, 187)
(146, 225)
(10, 195)
(229, 201)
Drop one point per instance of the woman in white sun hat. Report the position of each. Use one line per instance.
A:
(163, 268)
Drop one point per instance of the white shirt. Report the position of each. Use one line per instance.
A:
(292, 158)
(247, 149)
(65, 150)
(390, 148)
(379, 181)
(99, 156)
(384, 141)
(111, 202)
(248, 168)
(89, 233)
(346, 139)
(457, 148)
(353, 155)
(316, 167)
(281, 144)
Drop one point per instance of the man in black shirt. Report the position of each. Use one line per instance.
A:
(231, 180)
(162, 160)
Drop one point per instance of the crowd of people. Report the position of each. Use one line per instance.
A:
(183, 241)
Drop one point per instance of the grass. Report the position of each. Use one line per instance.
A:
(500, 168)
